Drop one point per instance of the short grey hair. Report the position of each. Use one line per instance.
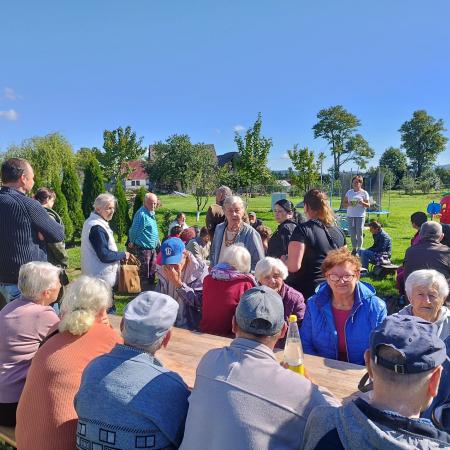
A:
(238, 257)
(265, 267)
(83, 299)
(233, 200)
(152, 348)
(104, 200)
(225, 190)
(35, 277)
(431, 231)
(427, 278)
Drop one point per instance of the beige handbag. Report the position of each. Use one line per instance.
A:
(129, 280)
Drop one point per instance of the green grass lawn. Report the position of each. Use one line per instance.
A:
(397, 225)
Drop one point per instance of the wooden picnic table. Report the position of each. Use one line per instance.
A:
(186, 348)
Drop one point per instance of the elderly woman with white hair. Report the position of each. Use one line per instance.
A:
(24, 323)
(235, 231)
(46, 418)
(427, 291)
(272, 272)
(99, 255)
(223, 288)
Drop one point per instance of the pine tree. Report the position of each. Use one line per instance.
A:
(121, 220)
(61, 208)
(93, 186)
(71, 190)
(138, 199)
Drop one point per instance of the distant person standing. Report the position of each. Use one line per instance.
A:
(144, 240)
(215, 214)
(356, 201)
(23, 221)
(253, 220)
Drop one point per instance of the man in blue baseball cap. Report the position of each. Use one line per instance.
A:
(181, 276)
(405, 363)
(127, 399)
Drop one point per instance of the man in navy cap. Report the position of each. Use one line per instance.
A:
(181, 276)
(243, 398)
(405, 363)
(127, 399)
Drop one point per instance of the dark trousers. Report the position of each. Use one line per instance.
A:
(147, 271)
(8, 414)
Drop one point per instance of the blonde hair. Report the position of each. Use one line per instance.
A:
(317, 201)
(83, 299)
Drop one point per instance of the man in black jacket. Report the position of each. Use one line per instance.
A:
(23, 223)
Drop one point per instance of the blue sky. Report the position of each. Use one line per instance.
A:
(205, 67)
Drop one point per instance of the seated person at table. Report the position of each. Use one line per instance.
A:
(271, 272)
(243, 398)
(427, 290)
(223, 288)
(200, 246)
(381, 248)
(46, 417)
(404, 361)
(429, 253)
(127, 392)
(24, 323)
(181, 276)
(180, 221)
(342, 313)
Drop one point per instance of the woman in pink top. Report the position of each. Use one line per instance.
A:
(24, 323)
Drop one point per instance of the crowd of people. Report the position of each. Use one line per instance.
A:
(69, 381)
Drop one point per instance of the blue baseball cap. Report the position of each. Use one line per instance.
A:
(148, 317)
(416, 339)
(260, 311)
(172, 251)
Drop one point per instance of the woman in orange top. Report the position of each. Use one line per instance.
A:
(46, 418)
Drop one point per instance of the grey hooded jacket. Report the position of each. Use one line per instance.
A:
(349, 427)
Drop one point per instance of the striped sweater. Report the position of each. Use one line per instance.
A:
(21, 218)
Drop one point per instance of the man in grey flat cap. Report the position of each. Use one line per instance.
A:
(243, 398)
(127, 399)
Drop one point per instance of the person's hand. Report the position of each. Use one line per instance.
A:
(40, 236)
(173, 276)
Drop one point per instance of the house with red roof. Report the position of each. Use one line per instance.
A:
(137, 176)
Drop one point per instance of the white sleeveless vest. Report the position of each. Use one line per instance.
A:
(90, 264)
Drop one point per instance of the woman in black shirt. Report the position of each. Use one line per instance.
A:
(311, 242)
(285, 215)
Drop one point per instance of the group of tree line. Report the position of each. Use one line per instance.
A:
(178, 163)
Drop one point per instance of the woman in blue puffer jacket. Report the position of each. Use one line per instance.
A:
(341, 315)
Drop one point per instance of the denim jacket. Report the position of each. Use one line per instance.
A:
(318, 331)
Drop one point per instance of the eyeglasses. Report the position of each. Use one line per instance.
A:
(345, 278)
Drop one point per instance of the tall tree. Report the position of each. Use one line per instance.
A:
(422, 138)
(138, 199)
(395, 160)
(337, 126)
(120, 146)
(48, 155)
(253, 152)
(61, 208)
(71, 190)
(306, 175)
(120, 222)
(93, 186)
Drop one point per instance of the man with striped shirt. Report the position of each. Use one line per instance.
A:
(23, 224)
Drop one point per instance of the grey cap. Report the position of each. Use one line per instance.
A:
(260, 311)
(148, 317)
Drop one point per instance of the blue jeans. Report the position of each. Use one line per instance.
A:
(366, 256)
(9, 291)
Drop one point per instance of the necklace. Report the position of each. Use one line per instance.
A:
(229, 242)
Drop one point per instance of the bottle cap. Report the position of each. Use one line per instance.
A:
(292, 318)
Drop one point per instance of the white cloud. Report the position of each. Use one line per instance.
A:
(9, 115)
(10, 94)
(284, 156)
(238, 128)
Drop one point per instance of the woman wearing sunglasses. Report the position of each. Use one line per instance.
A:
(341, 315)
